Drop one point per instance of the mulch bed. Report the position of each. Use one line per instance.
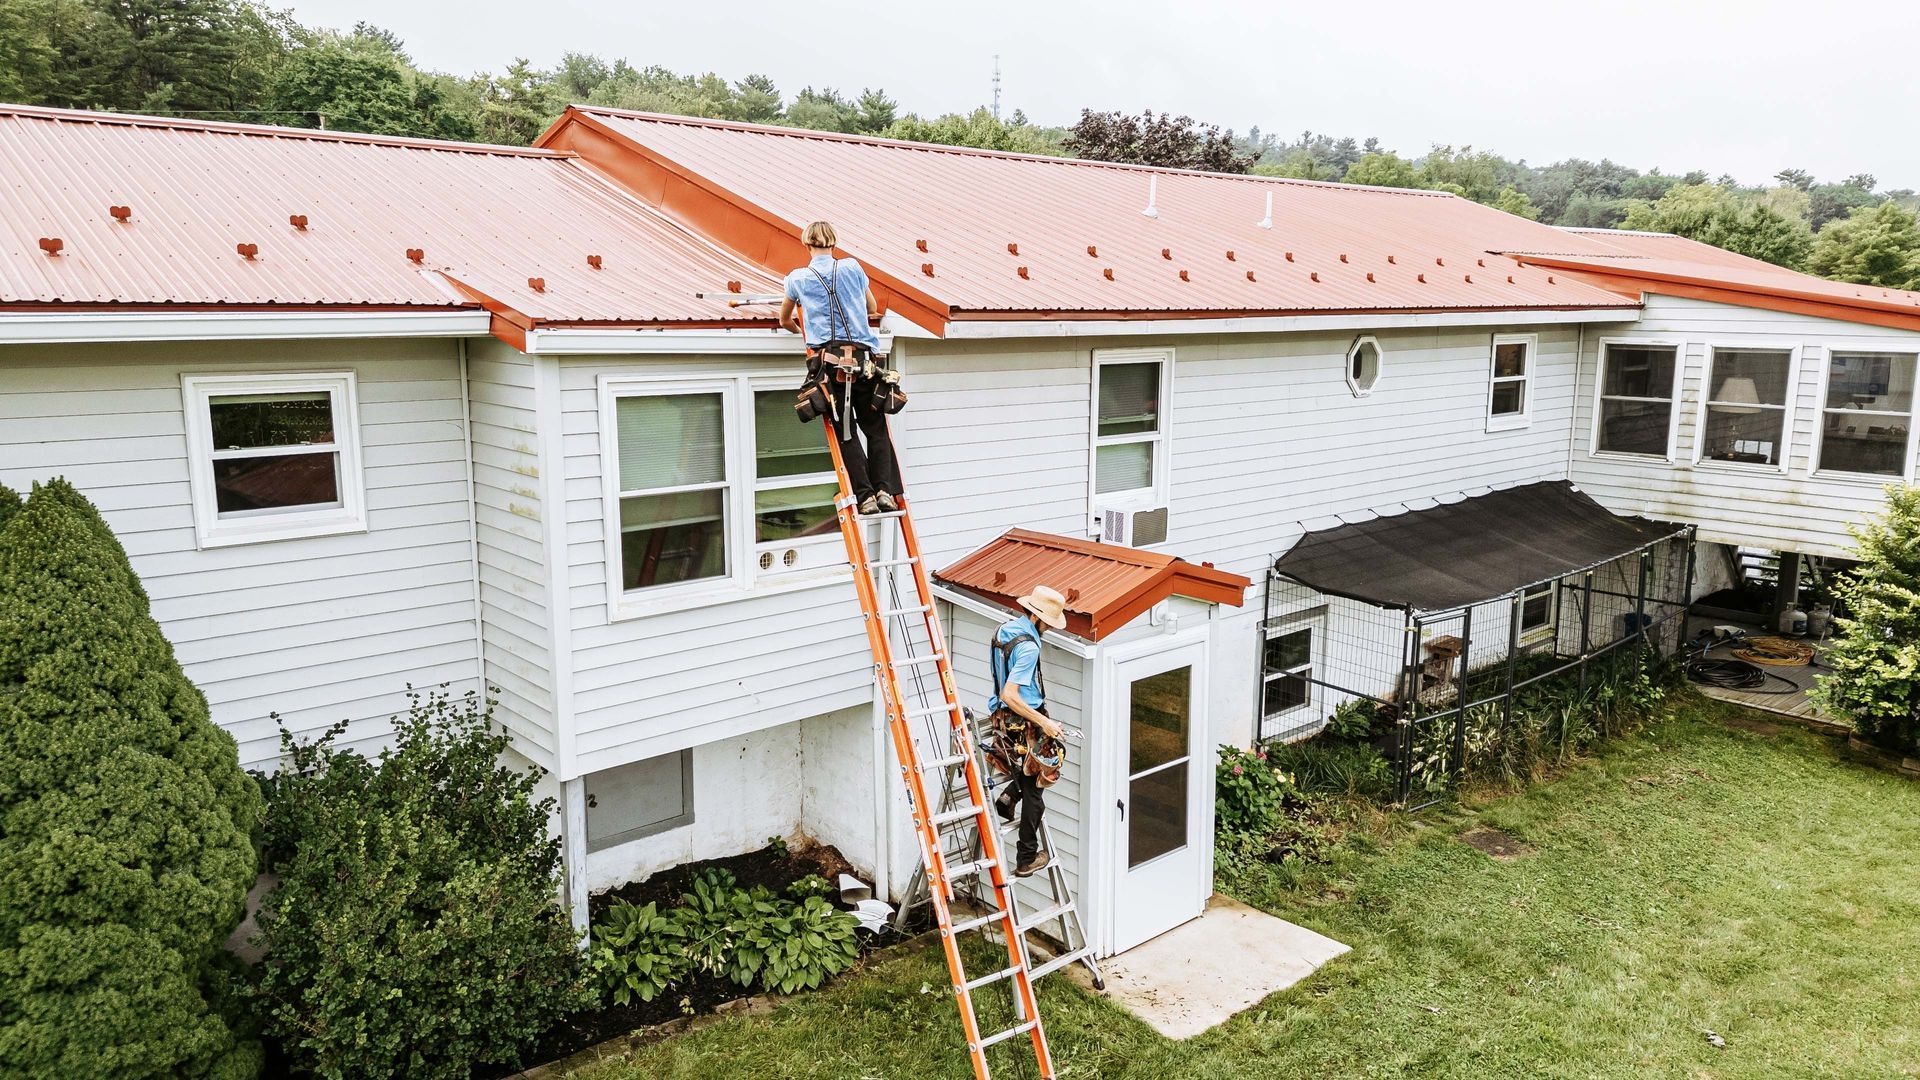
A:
(775, 867)
(1501, 845)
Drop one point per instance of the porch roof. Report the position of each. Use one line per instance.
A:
(1471, 551)
(1106, 586)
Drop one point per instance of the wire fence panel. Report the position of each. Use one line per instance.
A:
(1446, 685)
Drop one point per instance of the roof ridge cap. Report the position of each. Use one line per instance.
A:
(976, 151)
(227, 127)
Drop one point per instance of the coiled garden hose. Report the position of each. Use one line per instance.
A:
(1729, 674)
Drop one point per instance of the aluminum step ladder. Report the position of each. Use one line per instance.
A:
(985, 874)
(1058, 917)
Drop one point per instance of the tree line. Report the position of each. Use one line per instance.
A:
(238, 60)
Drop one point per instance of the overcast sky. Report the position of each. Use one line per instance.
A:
(1746, 88)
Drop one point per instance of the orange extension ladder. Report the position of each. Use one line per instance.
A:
(928, 822)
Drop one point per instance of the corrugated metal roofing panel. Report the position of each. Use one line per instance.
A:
(490, 217)
(1370, 249)
(1105, 586)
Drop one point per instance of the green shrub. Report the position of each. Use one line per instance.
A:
(126, 845)
(811, 885)
(9, 504)
(639, 951)
(804, 945)
(1326, 767)
(1876, 657)
(1247, 790)
(415, 931)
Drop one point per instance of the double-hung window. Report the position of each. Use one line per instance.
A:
(273, 457)
(793, 487)
(1539, 613)
(1634, 408)
(1130, 423)
(673, 485)
(1744, 417)
(1866, 425)
(1509, 396)
(1286, 680)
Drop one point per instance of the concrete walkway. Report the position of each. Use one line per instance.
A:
(1198, 975)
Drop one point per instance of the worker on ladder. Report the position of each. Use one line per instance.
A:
(837, 303)
(1022, 741)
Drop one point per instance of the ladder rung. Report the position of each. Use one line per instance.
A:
(1057, 963)
(986, 980)
(916, 661)
(1043, 917)
(883, 515)
(955, 873)
(941, 763)
(1002, 1036)
(918, 609)
(932, 710)
(875, 564)
(977, 923)
(950, 816)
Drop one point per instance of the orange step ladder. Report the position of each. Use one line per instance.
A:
(929, 821)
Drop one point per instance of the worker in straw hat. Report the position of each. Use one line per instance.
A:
(1022, 741)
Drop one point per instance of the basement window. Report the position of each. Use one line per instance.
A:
(637, 800)
(1539, 612)
(1363, 365)
(273, 457)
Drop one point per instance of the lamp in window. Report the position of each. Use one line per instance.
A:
(1739, 398)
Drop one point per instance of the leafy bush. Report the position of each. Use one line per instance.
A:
(125, 848)
(1324, 766)
(638, 952)
(1876, 657)
(415, 931)
(1247, 790)
(807, 944)
(811, 885)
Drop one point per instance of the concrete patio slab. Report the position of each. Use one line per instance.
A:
(1198, 975)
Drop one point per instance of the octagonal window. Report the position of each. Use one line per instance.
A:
(1363, 365)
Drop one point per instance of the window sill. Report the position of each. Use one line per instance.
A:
(1508, 423)
(1632, 457)
(1876, 479)
(1739, 468)
(228, 535)
(628, 607)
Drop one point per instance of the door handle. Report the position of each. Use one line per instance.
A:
(1121, 805)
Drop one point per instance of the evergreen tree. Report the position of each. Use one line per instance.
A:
(9, 504)
(1877, 245)
(125, 821)
(1876, 658)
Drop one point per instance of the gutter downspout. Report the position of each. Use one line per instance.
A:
(1579, 395)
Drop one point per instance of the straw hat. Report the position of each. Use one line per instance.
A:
(1046, 605)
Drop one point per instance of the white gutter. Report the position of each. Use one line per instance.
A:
(46, 328)
(741, 342)
(966, 330)
(979, 606)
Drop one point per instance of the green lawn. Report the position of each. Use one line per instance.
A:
(1692, 878)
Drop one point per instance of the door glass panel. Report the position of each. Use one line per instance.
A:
(1160, 717)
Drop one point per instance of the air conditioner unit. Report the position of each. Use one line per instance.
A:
(1133, 526)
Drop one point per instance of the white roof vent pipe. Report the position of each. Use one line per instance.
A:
(1153, 198)
(1267, 222)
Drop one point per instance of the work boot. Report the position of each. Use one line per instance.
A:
(870, 505)
(886, 502)
(1033, 866)
(1005, 803)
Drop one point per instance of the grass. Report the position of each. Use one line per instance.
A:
(1689, 879)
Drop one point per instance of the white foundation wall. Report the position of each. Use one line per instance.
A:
(745, 790)
(320, 629)
(837, 785)
(1795, 510)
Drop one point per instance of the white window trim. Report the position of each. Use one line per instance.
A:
(1380, 365)
(814, 552)
(745, 578)
(1820, 421)
(1551, 628)
(1673, 403)
(1700, 461)
(1162, 438)
(1523, 418)
(213, 531)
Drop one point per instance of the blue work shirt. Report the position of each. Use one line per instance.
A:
(807, 287)
(1024, 666)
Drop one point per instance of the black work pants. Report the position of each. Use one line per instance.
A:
(872, 469)
(1033, 804)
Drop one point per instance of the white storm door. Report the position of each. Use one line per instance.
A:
(1162, 851)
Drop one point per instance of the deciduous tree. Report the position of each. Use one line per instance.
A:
(1876, 245)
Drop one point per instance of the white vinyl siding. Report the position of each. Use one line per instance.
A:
(317, 629)
(1792, 507)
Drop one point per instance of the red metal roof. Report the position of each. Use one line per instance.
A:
(954, 227)
(1635, 262)
(1106, 586)
(489, 218)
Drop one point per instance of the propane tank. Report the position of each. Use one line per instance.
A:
(1819, 619)
(1793, 622)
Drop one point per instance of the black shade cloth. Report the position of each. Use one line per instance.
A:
(1468, 552)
